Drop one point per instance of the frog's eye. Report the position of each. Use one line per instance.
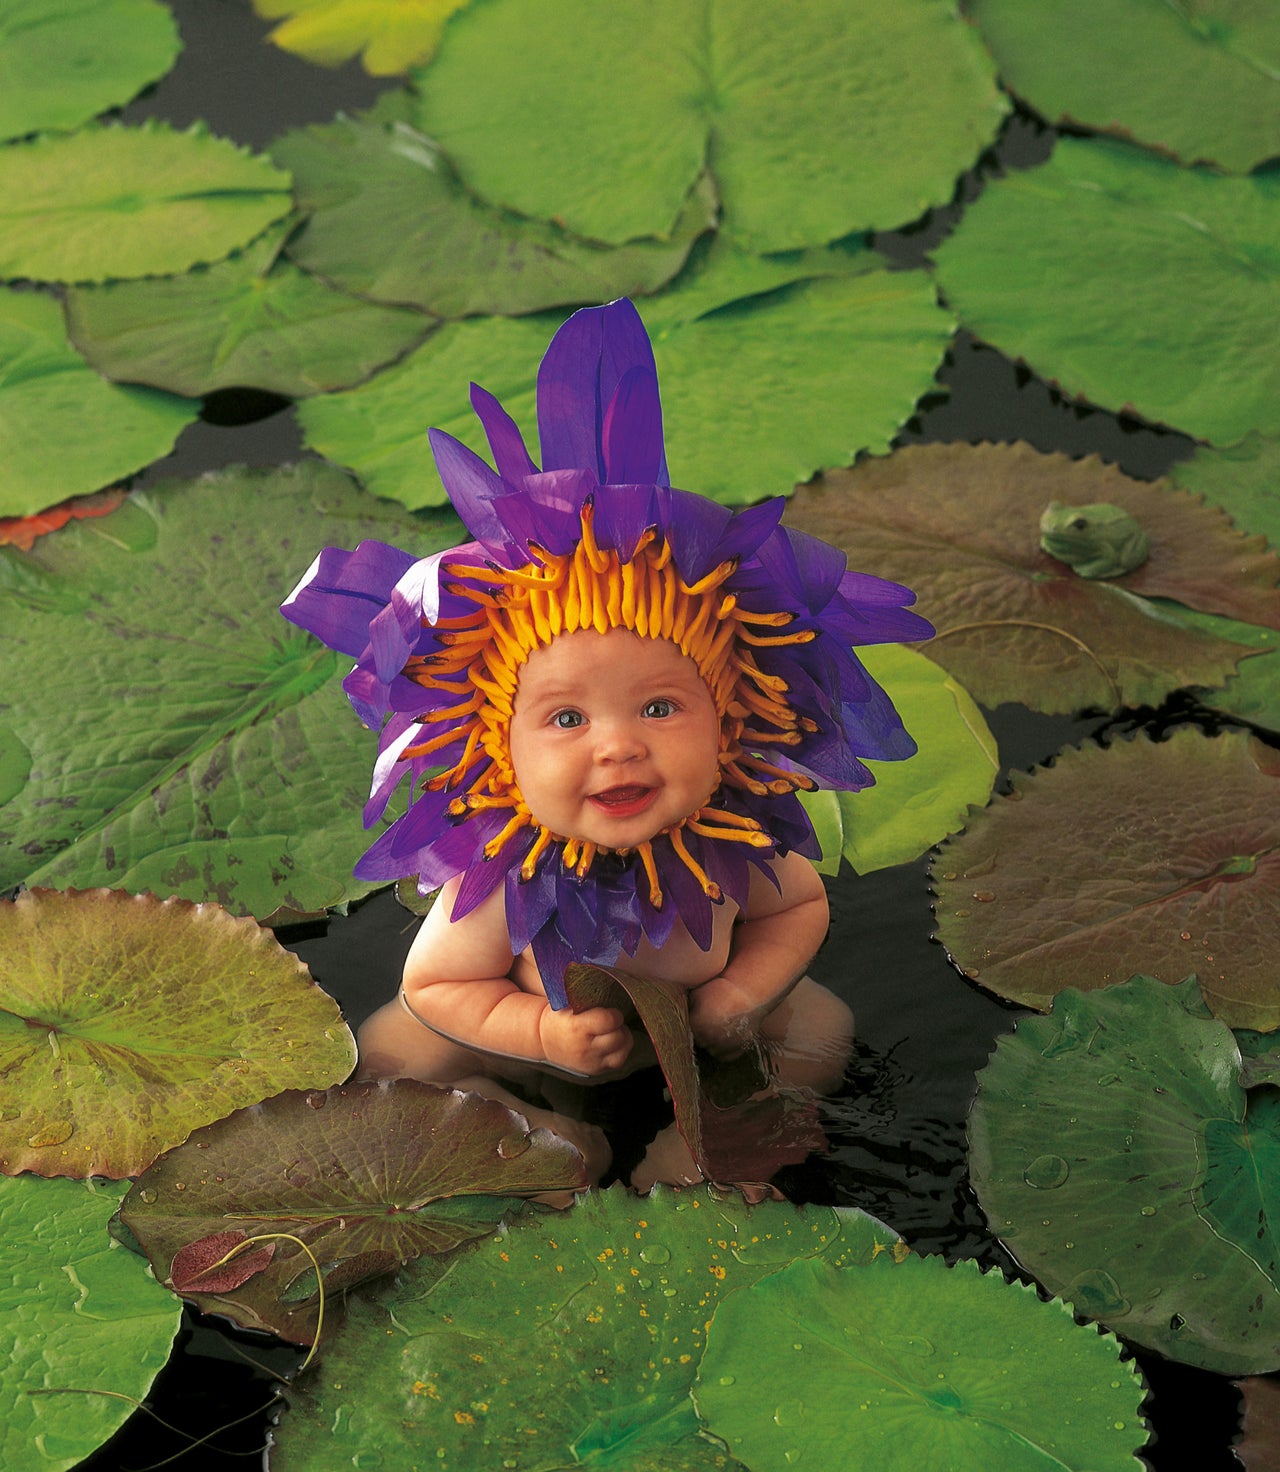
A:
(1079, 524)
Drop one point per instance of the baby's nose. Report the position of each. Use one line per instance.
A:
(619, 741)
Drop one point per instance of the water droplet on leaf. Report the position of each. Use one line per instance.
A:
(1046, 1172)
(511, 1147)
(655, 1253)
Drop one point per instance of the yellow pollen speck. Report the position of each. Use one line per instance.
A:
(717, 1271)
(464, 1418)
(477, 1359)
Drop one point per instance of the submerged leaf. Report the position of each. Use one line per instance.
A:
(368, 1176)
(1155, 857)
(1118, 1158)
(389, 36)
(126, 1022)
(23, 531)
(84, 1327)
(961, 525)
(212, 1264)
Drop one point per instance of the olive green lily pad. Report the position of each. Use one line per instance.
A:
(961, 525)
(368, 1176)
(816, 359)
(389, 36)
(1244, 479)
(1157, 857)
(1131, 282)
(915, 1364)
(174, 732)
(111, 200)
(84, 1327)
(607, 1305)
(1116, 1155)
(1200, 81)
(64, 61)
(916, 803)
(254, 320)
(126, 1022)
(817, 121)
(388, 219)
(64, 430)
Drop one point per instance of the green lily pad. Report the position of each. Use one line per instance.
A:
(915, 1364)
(63, 429)
(1116, 1155)
(126, 1022)
(1157, 857)
(914, 804)
(1155, 72)
(112, 200)
(254, 320)
(368, 1176)
(817, 122)
(612, 1299)
(65, 61)
(84, 1327)
(755, 398)
(1131, 282)
(212, 754)
(389, 36)
(961, 525)
(1243, 479)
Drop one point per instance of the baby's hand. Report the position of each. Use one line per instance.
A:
(593, 1041)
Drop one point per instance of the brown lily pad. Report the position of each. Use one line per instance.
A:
(961, 525)
(1260, 1449)
(1160, 858)
(368, 1176)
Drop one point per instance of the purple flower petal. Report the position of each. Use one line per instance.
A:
(505, 440)
(549, 512)
(531, 902)
(631, 435)
(622, 515)
(473, 488)
(341, 591)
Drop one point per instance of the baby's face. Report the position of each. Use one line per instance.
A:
(613, 737)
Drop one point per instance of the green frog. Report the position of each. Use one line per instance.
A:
(1097, 541)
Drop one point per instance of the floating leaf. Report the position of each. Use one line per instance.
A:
(1116, 1156)
(754, 399)
(23, 531)
(254, 320)
(65, 61)
(112, 200)
(916, 1364)
(611, 1298)
(818, 120)
(1130, 281)
(63, 429)
(1162, 858)
(389, 36)
(125, 1022)
(372, 1174)
(914, 804)
(212, 1264)
(961, 525)
(1243, 479)
(1260, 1448)
(1195, 80)
(213, 753)
(389, 220)
(84, 1327)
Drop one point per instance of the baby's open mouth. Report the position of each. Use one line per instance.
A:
(624, 800)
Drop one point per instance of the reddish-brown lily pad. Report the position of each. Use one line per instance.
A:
(1260, 1449)
(23, 531)
(126, 1022)
(961, 525)
(365, 1175)
(1158, 858)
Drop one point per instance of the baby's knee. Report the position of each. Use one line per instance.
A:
(392, 1044)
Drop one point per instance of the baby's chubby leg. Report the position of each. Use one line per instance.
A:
(808, 1038)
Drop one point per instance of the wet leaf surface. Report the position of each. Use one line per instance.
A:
(22, 532)
(111, 1047)
(389, 36)
(1161, 858)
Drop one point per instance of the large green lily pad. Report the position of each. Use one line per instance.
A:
(112, 200)
(1131, 282)
(368, 1176)
(174, 732)
(470, 1368)
(961, 525)
(389, 36)
(1116, 1155)
(817, 120)
(63, 429)
(1199, 80)
(64, 61)
(84, 1327)
(1157, 857)
(1243, 479)
(916, 1364)
(126, 1022)
(388, 219)
(754, 399)
(254, 320)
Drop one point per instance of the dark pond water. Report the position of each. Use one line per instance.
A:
(897, 1127)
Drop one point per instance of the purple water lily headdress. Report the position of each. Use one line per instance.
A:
(599, 539)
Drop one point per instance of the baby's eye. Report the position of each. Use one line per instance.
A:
(658, 709)
(567, 720)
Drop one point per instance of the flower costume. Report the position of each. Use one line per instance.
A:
(598, 539)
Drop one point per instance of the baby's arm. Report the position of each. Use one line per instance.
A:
(457, 979)
(778, 935)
